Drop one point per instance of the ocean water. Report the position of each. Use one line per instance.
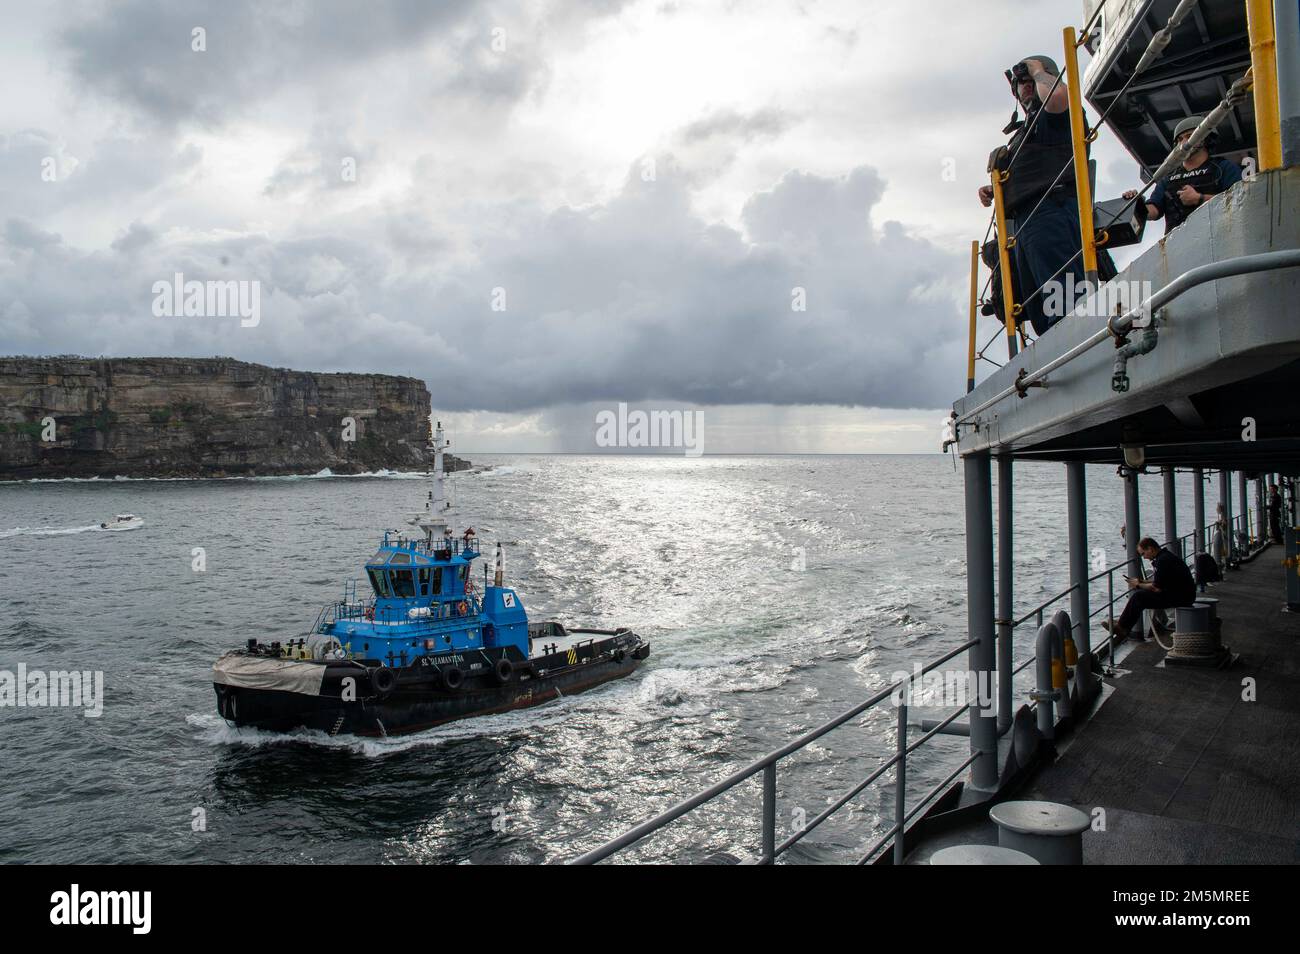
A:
(776, 592)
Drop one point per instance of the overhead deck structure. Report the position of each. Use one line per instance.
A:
(1208, 51)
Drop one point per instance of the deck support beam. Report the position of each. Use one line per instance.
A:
(1171, 513)
(1132, 523)
(1076, 487)
(1244, 537)
(1261, 509)
(1225, 501)
(1198, 502)
(1006, 546)
(979, 616)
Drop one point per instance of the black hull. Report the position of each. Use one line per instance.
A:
(418, 701)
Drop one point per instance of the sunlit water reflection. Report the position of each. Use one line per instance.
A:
(776, 592)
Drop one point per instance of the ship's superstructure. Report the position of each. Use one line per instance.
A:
(1185, 366)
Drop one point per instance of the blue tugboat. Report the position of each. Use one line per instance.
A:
(427, 646)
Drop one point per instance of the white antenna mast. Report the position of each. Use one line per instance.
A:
(433, 519)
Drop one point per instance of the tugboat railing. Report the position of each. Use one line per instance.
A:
(367, 611)
(443, 548)
(770, 850)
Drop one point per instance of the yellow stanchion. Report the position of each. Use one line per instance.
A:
(1082, 182)
(1263, 60)
(1005, 242)
(974, 296)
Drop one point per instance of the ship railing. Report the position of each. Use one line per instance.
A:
(451, 546)
(1092, 235)
(1250, 534)
(897, 691)
(369, 612)
(767, 767)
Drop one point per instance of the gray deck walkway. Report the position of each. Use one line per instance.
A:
(1187, 771)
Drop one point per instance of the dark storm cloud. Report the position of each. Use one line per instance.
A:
(140, 54)
(23, 235)
(488, 77)
(137, 236)
(634, 299)
(735, 124)
(39, 176)
(329, 159)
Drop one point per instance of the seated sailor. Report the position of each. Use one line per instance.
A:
(1171, 585)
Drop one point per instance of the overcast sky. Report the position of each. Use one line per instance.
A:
(640, 189)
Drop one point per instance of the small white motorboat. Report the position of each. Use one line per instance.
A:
(123, 521)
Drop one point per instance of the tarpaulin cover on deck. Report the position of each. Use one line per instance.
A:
(259, 672)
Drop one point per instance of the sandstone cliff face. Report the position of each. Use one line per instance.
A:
(203, 417)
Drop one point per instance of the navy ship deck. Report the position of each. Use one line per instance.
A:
(1227, 349)
(1188, 772)
(1186, 364)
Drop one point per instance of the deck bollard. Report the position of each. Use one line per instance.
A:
(981, 855)
(1192, 619)
(1046, 831)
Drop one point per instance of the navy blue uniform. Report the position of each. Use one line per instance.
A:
(1174, 587)
(1050, 238)
(1210, 178)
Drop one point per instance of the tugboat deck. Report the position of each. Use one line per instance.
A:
(1188, 772)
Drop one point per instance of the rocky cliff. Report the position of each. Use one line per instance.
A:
(203, 417)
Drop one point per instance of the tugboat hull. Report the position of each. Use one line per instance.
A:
(345, 697)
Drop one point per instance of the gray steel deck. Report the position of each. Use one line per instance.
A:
(1188, 772)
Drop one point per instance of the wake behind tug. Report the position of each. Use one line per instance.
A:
(424, 649)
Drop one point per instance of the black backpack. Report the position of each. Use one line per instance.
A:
(1207, 569)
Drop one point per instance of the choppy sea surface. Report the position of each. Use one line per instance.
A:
(776, 592)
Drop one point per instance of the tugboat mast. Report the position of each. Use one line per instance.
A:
(432, 520)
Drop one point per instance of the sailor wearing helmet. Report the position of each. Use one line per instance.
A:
(1181, 193)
